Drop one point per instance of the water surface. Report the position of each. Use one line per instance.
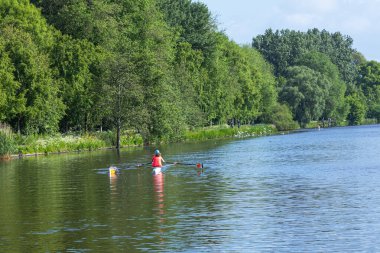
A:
(312, 191)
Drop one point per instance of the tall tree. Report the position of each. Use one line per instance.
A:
(27, 41)
(122, 94)
(78, 72)
(154, 56)
(305, 93)
(193, 21)
(369, 83)
(10, 103)
(335, 88)
(283, 47)
(358, 108)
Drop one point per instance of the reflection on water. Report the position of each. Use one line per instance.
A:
(313, 191)
(158, 184)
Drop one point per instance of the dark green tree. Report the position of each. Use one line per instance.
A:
(123, 96)
(27, 42)
(193, 21)
(282, 49)
(335, 88)
(78, 71)
(369, 82)
(357, 110)
(305, 93)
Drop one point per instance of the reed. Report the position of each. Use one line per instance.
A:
(58, 144)
(37, 144)
(133, 139)
(7, 142)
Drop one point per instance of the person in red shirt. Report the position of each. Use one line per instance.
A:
(157, 159)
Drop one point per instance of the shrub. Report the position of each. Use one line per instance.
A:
(7, 143)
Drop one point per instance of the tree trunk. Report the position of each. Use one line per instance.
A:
(118, 135)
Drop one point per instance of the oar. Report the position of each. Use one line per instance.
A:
(199, 165)
(143, 164)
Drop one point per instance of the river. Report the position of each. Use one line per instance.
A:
(309, 191)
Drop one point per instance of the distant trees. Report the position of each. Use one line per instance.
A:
(283, 48)
(314, 70)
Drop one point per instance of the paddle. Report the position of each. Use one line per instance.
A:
(199, 165)
(143, 164)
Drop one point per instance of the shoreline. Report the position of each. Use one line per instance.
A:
(208, 133)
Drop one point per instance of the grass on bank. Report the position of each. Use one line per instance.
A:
(225, 131)
(315, 124)
(7, 143)
(14, 144)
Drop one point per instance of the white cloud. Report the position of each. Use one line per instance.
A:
(359, 19)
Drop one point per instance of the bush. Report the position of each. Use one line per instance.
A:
(7, 143)
(282, 118)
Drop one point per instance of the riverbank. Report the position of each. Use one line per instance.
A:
(43, 145)
(225, 131)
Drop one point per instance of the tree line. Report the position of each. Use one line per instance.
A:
(160, 67)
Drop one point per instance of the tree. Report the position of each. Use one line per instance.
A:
(27, 41)
(152, 50)
(334, 88)
(263, 88)
(358, 109)
(281, 116)
(282, 49)
(369, 82)
(95, 20)
(78, 71)
(188, 79)
(305, 93)
(9, 102)
(193, 21)
(123, 95)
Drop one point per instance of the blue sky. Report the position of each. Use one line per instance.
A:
(243, 19)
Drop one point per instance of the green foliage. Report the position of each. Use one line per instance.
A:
(281, 116)
(8, 86)
(188, 76)
(357, 109)
(283, 48)
(132, 140)
(305, 93)
(34, 104)
(7, 143)
(78, 70)
(157, 68)
(334, 87)
(369, 83)
(34, 144)
(225, 131)
(261, 92)
(193, 22)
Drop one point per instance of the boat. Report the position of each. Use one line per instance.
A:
(157, 170)
(163, 169)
